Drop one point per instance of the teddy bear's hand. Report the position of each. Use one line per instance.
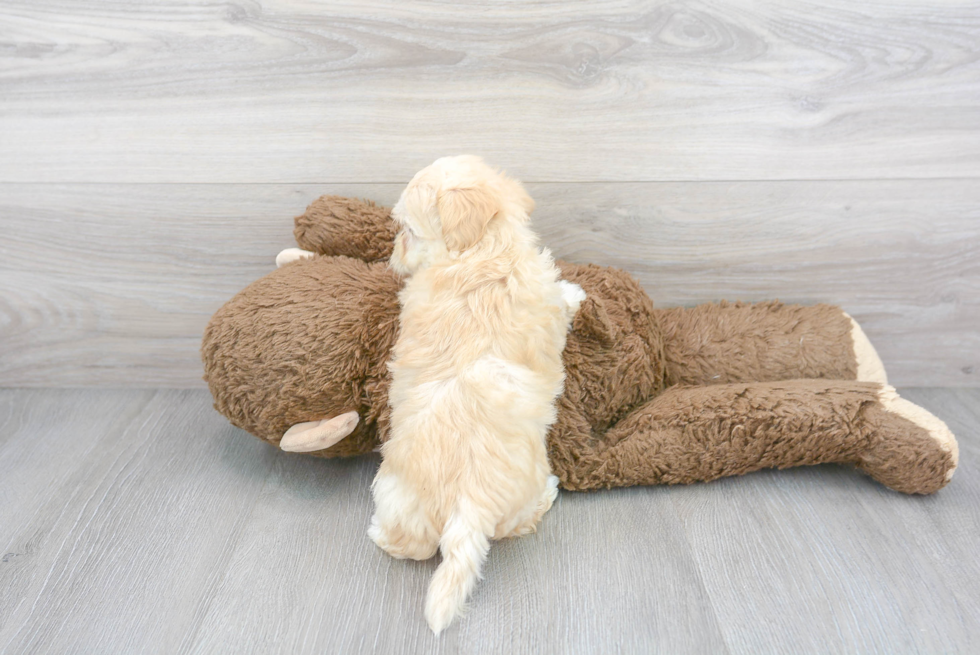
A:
(572, 295)
(334, 225)
(318, 435)
(290, 255)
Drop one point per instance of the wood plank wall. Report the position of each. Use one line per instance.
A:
(153, 154)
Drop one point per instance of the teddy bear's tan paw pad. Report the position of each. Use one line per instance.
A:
(290, 255)
(869, 366)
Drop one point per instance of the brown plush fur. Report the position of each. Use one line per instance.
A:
(333, 225)
(308, 340)
(651, 396)
(739, 342)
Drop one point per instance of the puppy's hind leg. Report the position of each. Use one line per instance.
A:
(400, 542)
(529, 523)
(549, 496)
(399, 526)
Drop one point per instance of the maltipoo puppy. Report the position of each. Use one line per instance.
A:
(475, 374)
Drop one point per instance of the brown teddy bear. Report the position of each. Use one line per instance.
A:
(652, 396)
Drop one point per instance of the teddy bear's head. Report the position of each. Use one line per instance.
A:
(308, 341)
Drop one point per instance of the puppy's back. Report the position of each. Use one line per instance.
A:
(475, 373)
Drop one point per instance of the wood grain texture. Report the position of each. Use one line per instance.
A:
(124, 512)
(325, 588)
(112, 285)
(158, 528)
(294, 91)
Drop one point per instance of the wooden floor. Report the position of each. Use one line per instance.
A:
(140, 521)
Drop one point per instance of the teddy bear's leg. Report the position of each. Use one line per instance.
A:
(738, 342)
(906, 460)
(690, 434)
(334, 225)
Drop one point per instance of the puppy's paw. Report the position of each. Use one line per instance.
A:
(548, 498)
(400, 545)
(375, 533)
(290, 255)
(573, 295)
(551, 489)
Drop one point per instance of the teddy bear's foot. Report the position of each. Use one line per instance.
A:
(318, 435)
(869, 365)
(290, 255)
(915, 452)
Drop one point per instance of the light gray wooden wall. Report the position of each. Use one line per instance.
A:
(152, 156)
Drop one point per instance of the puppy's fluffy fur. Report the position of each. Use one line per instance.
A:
(475, 374)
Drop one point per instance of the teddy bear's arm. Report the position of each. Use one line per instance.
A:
(739, 342)
(692, 434)
(335, 225)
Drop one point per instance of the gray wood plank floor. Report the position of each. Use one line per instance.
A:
(140, 521)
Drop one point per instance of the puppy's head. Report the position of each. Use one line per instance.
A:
(450, 206)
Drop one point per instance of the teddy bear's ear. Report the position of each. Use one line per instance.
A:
(592, 320)
(318, 435)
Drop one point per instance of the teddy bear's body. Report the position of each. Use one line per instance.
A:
(651, 396)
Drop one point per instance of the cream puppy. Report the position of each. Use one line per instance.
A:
(475, 374)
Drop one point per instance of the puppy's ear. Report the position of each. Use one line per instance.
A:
(420, 197)
(465, 213)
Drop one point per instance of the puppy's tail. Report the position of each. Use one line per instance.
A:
(464, 546)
